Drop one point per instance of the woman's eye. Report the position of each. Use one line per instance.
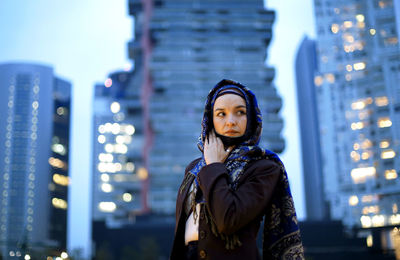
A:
(220, 114)
(241, 112)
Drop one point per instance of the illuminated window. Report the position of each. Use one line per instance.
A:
(102, 129)
(116, 128)
(388, 154)
(356, 146)
(61, 111)
(360, 175)
(109, 148)
(381, 101)
(105, 177)
(130, 167)
(106, 157)
(129, 129)
(347, 24)
(355, 156)
(357, 126)
(107, 206)
(384, 122)
(127, 197)
(384, 144)
(57, 163)
(358, 105)
(35, 105)
(366, 144)
(108, 83)
(359, 66)
(370, 241)
(366, 221)
(330, 77)
(369, 198)
(335, 28)
(60, 179)
(142, 174)
(390, 174)
(59, 203)
(370, 210)
(360, 18)
(372, 31)
(318, 80)
(348, 77)
(106, 187)
(378, 221)
(353, 200)
(120, 148)
(101, 139)
(395, 219)
(59, 148)
(349, 67)
(365, 155)
(115, 107)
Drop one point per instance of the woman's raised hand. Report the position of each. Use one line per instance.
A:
(214, 150)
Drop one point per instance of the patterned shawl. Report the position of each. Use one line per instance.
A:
(281, 235)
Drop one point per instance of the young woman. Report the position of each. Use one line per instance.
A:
(226, 193)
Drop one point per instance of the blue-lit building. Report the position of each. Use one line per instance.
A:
(306, 69)
(119, 176)
(181, 49)
(34, 136)
(358, 97)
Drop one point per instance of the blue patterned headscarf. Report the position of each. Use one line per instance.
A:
(281, 235)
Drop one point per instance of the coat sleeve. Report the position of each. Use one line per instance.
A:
(234, 209)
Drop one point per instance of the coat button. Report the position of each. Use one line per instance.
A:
(202, 254)
(202, 234)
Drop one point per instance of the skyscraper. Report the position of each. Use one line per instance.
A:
(182, 49)
(358, 97)
(306, 68)
(118, 172)
(34, 135)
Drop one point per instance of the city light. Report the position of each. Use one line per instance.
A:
(369, 198)
(318, 80)
(358, 105)
(359, 65)
(335, 28)
(108, 83)
(105, 177)
(59, 203)
(378, 220)
(360, 18)
(381, 101)
(384, 144)
(57, 163)
(106, 187)
(142, 173)
(59, 148)
(357, 125)
(370, 209)
(370, 241)
(372, 31)
(129, 129)
(390, 174)
(360, 175)
(115, 107)
(64, 255)
(353, 200)
(127, 197)
(394, 219)
(107, 206)
(388, 154)
(384, 122)
(101, 139)
(60, 179)
(366, 221)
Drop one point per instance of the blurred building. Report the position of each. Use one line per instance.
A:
(118, 171)
(358, 97)
(306, 68)
(34, 135)
(181, 49)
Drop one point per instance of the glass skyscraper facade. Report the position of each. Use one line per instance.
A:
(358, 97)
(34, 135)
(181, 49)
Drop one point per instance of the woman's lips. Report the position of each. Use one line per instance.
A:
(231, 132)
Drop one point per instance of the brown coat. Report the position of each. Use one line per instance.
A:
(234, 212)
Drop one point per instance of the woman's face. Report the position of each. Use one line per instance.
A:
(229, 115)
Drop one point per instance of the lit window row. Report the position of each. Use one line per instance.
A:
(116, 128)
(59, 148)
(388, 154)
(60, 179)
(379, 220)
(364, 145)
(384, 122)
(59, 203)
(57, 163)
(361, 104)
(107, 206)
(109, 167)
(329, 77)
(360, 175)
(370, 210)
(116, 148)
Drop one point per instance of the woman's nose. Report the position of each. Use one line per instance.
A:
(230, 120)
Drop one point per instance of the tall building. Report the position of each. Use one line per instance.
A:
(34, 135)
(180, 51)
(358, 98)
(119, 175)
(306, 68)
